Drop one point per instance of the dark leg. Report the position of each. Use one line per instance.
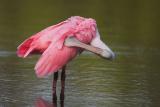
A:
(54, 104)
(54, 86)
(62, 103)
(63, 76)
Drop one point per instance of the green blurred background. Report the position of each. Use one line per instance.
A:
(136, 21)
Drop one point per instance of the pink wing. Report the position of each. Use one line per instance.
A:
(38, 42)
(53, 59)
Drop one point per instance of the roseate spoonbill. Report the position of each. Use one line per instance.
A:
(60, 43)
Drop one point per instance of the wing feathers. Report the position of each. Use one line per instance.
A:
(24, 49)
(54, 59)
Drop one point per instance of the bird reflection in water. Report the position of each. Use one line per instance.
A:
(40, 102)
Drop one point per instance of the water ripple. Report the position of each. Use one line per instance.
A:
(6, 53)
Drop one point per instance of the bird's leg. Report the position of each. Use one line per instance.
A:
(62, 103)
(54, 104)
(54, 86)
(63, 76)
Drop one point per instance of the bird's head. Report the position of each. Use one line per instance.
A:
(96, 46)
(86, 36)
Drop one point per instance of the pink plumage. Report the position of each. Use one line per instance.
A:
(50, 43)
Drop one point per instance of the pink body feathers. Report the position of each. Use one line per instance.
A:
(50, 43)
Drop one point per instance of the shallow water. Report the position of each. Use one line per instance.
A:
(129, 28)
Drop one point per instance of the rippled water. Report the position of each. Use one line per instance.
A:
(129, 28)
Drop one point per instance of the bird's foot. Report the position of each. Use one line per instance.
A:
(62, 97)
(54, 97)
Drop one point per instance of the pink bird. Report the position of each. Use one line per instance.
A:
(60, 43)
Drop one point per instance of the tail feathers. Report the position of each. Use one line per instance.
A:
(25, 48)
